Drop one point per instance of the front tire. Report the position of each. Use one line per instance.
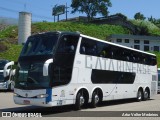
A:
(9, 87)
(80, 101)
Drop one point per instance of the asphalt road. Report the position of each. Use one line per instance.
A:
(119, 109)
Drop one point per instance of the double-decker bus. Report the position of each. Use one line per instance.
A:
(62, 68)
(6, 75)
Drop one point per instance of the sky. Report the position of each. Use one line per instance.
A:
(42, 9)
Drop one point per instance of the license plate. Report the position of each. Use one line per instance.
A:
(26, 102)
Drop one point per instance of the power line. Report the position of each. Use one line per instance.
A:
(25, 4)
(9, 10)
(33, 14)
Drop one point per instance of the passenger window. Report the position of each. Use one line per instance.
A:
(68, 44)
(88, 47)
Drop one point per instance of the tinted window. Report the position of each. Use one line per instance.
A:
(136, 41)
(126, 40)
(146, 41)
(109, 77)
(1, 77)
(115, 52)
(61, 69)
(146, 48)
(88, 47)
(68, 44)
(40, 44)
(156, 48)
(3, 63)
(119, 40)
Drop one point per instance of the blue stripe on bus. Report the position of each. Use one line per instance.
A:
(49, 92)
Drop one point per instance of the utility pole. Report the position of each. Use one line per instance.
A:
(54, 18)
(57, 18)
(66, 11)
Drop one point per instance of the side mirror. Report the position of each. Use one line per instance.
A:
(45, 66)
(5, 72)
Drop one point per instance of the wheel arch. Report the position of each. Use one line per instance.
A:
(83, 88)
(95, 88)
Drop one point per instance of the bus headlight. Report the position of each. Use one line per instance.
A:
(16, 95)
(42, 96)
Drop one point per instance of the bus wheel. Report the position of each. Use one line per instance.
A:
(9, 87)
(80, 100)
(146, 95)
(95, 99)
(139, 95)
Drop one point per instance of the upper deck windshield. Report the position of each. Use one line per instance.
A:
(41, 44)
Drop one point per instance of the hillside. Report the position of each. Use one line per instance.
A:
(8, 21)
(8, 37)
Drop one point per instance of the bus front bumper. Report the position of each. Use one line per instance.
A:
(32, 101)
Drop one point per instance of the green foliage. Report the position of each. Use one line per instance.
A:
(98, 31)
(139, 16)
(152, 29)
(91, 7)
(158, 58)
(12, 53)
(9, 32)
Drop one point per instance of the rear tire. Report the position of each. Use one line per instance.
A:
(95, 99)
(139, 95)
(146, 95)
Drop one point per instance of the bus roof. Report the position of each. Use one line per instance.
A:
(116, 44)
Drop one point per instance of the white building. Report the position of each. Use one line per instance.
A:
(145, 43)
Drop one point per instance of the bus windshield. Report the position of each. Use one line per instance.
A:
(41, 44)
(1, 77)
(31, 77)
(2, 64)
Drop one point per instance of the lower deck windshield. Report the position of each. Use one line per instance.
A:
(1, 77)
(31, 77)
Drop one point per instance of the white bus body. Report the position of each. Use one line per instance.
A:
(6, 76)
(94, 77)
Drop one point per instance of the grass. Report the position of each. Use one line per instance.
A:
(158, 57)
(12, 53)
(10, 34)
(152, 28)
(98, 31)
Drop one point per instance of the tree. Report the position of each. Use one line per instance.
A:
(151, 19)
(139, 16)
(122, 16)
(91, 7)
